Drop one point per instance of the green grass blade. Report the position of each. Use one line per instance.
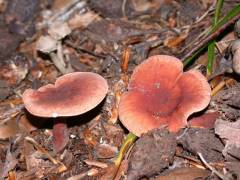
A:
(211, 46)
(129, 140)
(190, 59)
(230, 15)
(211, 57)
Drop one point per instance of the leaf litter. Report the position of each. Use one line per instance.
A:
(104, 35)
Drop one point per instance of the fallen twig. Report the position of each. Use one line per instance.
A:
(91, 172)
(95, 163)
(214, 32)
(62, 167)
(210, 167)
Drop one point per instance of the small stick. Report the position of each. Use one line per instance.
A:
(124, 8)
(125, 60)
(210, 167)
(218, 88)
(91, 172)
(41, 149)
(64, 13)
(220, 50)
(117, 87)
(78, 48)
(95, 163)
(210, 37)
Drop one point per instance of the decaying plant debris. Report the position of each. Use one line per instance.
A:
(42, 41)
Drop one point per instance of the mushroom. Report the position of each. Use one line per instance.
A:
(59, 30)
(160, 94)
(72, 94)
(52, 45)
(235, 50)
(204, 121)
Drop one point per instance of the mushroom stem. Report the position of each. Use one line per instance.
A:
(68, 67)
(58, 62)
(60, 134)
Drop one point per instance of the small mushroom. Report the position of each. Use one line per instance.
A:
(48, 45)
(160, 94)
(52, 45)
(59, 30)
(73, 94)
(235, 50)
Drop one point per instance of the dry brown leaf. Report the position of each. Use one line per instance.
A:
(9, 128)
(9, 164)
(185, 173)
(230, 132)
(34, 160)
(144, 5)
(58, 5)
(26, 125)
(83, 20)
(175, 41)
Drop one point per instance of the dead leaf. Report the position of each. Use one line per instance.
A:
(10, 162)
(58, 5)
(8, 128)
(185, 173)
(83, 20)
(230, 132)
(1, 167)
(14, 70)
(175, 41)
(34, 160)
(114, 172)
(26, 125)
(143, 5)
(106, 150)
(204, 141)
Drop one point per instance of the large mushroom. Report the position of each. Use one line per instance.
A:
(160, 94)
(73, 94)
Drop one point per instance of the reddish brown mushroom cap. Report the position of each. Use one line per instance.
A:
(205, 121)
(72, 94)
(160, 94)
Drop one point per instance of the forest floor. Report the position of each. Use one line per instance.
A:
(111, 38)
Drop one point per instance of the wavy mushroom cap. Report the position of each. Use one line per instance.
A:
(73, 94)
(160, 94)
